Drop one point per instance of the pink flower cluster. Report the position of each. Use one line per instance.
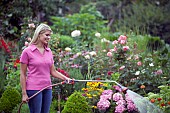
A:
(130, 105)
(120, 102)
(159, 72)
(104, 103)
(121, 40)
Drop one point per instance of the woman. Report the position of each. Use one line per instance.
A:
(36, 67)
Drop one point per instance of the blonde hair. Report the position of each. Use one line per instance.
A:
(39, 30)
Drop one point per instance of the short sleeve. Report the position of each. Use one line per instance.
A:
(52, 57)
(24, 57)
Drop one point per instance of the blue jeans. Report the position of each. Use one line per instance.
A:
(41, 102)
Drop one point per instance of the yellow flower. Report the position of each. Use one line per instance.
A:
(90, 97)
(85, 89)
(94, 95)
(95, 107)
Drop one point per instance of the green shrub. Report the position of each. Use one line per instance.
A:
(10, 98)
(65, 41)
(76, 103)
(88, 24)
(24, 108)
(155, 43)
(55, 105)
(60, 41)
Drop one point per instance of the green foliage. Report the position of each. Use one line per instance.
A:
(76, 103)
(2, 74)
(65, 41)
(76, 74)
(161, 99)
(155, 43)
(13, 74)
(10, 98)
(139, 17)
(140, 41)
(88, 25)
(16, 14)
(91, 9)
(53, 106)
(56, 105)
(24, 109)
(60, 42)
(115, 76)
(11, 13)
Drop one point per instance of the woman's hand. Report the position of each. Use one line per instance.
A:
(25, 98)
(69, 80)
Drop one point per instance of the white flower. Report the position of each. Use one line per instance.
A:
(137, 73)
(87, 57)
(31, 25)
(79, 53)
(143, 71)
(68, 49)
(93, 53)
(75, 33)
(105, 40)
(151, 65)
(97, 35)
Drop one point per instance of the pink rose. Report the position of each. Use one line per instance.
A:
(125, 48)
(109, 54)
(159, 72)
(122, 42)
(115, 42)
(115, 49)
(26, 44)
(139, 63)
(122, 67)
(122, 37)
(29, 39)
(136, 57)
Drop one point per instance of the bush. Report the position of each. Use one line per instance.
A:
(65, 41)
(60, 41)
(10, 98)
(76, 103)
(24, 108)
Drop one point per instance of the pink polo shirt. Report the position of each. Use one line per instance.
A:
(38, 67)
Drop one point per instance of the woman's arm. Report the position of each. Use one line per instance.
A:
(23, 70)
(57, 74)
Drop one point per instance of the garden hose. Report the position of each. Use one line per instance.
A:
(39, 92)
(71, 82)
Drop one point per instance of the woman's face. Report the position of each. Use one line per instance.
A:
(45, 37)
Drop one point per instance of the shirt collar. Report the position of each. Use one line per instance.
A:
(33, 48)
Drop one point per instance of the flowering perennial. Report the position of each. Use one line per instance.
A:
(122, 102)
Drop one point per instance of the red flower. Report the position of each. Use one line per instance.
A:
(5, 45)
(109, 72)
(162, 104)
(17, 61)
(168, 102)
(142, 86)
(63, 72)
(152, 100)
(98, 79)
(159, 99)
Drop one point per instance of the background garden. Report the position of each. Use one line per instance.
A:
(122, 40)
